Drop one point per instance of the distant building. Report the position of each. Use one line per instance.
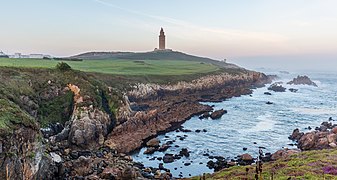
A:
(162, 39)
(3, 55)
(36, 56)
(17, 55)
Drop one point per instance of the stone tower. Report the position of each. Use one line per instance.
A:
(162, 39)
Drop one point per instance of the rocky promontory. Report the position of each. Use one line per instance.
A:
(168, 106)
(302, 80)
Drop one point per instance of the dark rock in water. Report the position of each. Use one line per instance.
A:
(150, 150)
(269, 103)
(218, 114)
(245, 159)
(277, 87)
(198, 131)
(153, 142)
(220, 164)
(169, 142)
(245, 149)
(267, 93)
(296, 135)
(293, 90)
(327, 124)
(168, 158)
(187, 164)
(184, 152)
(163, 148)
(205, 115)
(302, 80)
(204, 130)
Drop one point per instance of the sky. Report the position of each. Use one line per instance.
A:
(248, 32)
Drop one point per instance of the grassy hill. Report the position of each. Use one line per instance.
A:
(152, 55)
(311, 165)
(121, 67)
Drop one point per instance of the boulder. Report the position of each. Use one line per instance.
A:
(267, 93)
(307, 141)
(218, 114)
(168, 158)
(246, 157)
(150, 150)
(332, 138)
(284, 153)
(153, 142)
(277, 87)
(302, 80)
(334, 130)
(293, 90)
(296, 135)
(184, 152)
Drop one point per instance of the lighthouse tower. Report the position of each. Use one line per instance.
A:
(162, 39)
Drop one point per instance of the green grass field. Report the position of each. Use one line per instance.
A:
(120, 67)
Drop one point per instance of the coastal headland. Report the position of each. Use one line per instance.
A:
(66, 123)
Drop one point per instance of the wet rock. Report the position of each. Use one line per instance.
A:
(187, 164)
(245, 159)
(198, 131)
(245, 149)
(267, 93)
(150, 150)
(296, 135)
(302, 80)
(184, 152)
(153, 142)
(293, 90)
(205, 115)
(204, 130)
(277, 87)
(168, 158)
(269, 103)
(218, 114)
(163, 148)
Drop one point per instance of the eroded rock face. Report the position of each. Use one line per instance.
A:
(302, 80)
(22, 155)
(88, 128)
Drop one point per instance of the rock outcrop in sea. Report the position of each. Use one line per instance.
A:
(302, 80)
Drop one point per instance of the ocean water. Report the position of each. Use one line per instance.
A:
(250, 119)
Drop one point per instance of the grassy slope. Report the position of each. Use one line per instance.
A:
(305, 165)
(121, 67)
(33, 83)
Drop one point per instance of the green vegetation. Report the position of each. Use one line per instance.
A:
(310, 165)
(120, 67)
(11, 115)
(40, 95)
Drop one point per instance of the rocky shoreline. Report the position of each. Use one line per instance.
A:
(104, 127)
(169, 106)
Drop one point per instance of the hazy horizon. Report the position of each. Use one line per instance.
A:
(241, 32)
